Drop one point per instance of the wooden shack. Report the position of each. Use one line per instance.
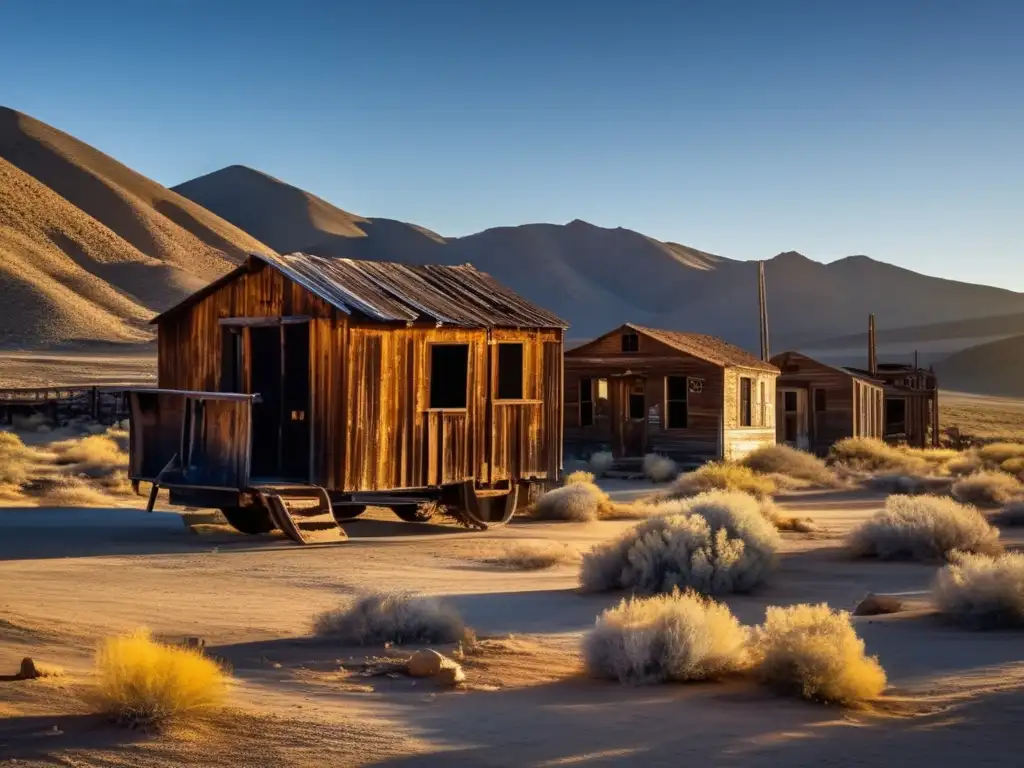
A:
(911, 404)
(690, 396)
(376, 382)
(819, 404)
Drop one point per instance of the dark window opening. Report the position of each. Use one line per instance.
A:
(746, 410)
(449, 375)
(819, 401)
(895, 415)
(231, 366)
(510, 371)
(789, 401)
(586, 402)
(636, 405)
(678, 389)
(630, 342)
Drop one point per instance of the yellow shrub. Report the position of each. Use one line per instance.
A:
(722, 476)
(145, 683)
(997, 453)
(95, 455)
(814, 652)
(579, 476)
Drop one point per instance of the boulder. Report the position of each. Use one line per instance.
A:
(877, 605)
(430, 663)
(425, 663)
(28, 670)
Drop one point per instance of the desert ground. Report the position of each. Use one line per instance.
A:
(71, 576)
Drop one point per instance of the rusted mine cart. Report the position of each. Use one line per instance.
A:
(298, 390)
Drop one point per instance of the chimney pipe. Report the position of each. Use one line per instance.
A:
(762, 306)
(872, 349)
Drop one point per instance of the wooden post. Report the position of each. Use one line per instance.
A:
(872, 348)
(762, 311)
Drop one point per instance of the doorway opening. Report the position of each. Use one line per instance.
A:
(278, 371)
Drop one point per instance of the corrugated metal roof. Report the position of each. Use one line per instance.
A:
(710, 348)
(385, 291)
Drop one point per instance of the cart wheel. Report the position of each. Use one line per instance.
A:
(344, 512)
(251, 520)
(415, 513)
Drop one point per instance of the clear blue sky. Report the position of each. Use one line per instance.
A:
(893, 128)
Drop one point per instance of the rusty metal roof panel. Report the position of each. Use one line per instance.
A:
(386, 291)
(706, 347)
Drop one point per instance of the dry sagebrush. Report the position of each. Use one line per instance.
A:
(721, 476)
(813, 652)
(659, 469)
(579, 476)
(714, 543)
(675, 637)
(531, 555)
(95, 455)
(996, 454)
(791, 463)
(578, 502)
(17, 460)
(987, 489)
(924, 528)
(982, 592)
(395, 617)
(601, 462)
(866, 454)
(143, 683)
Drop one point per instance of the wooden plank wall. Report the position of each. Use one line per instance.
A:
(710, 412)
(837, 421)
(370, 391)
(398, 442)
(189, 342)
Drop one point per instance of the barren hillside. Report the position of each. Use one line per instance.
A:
(598, 278)
(996, 368)
(90, 249)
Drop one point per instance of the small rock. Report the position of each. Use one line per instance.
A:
(425, 663)
(877, 605)
(28, 670)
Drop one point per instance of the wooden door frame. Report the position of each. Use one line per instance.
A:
(245, 324)
(803, 425)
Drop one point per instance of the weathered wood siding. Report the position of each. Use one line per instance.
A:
(838, 420)
(189, 342)
(372, 428)
(712, 412)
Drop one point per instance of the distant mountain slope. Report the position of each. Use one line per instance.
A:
(970, 328)
(90, 249)
(598, 278)
(996, 368)
(291, 219)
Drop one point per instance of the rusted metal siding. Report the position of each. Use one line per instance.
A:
(388, 292)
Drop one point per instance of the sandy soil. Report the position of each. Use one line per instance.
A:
(67, 577)
(983, 416)
(104, 365)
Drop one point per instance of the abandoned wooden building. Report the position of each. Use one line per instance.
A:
(690, 396)
(818, 404)
(369, 381)
(911, 412)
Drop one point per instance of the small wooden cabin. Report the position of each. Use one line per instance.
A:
(355, 377)
(819, 404)
(693, 397)
(911, 404)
